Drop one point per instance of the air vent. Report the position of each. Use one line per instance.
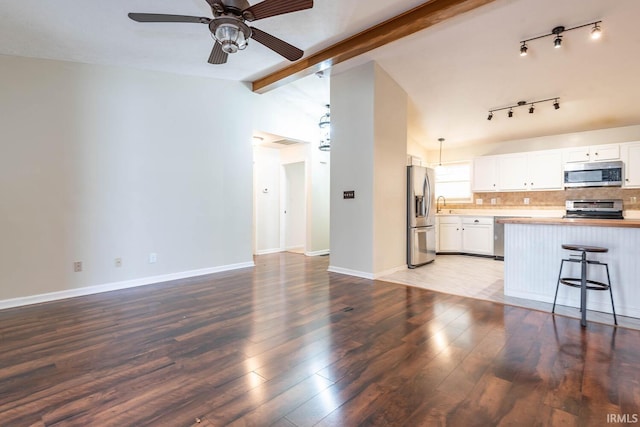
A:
(285, 142)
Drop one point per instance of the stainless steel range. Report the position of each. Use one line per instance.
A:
(596, 209)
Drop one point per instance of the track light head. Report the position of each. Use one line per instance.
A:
(523, 49)
(510, 113)
(556, 105)
(596, 31)
(531, 109)
(557, 42)
(490, 116)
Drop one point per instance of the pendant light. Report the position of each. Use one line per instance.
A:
(325, 130)
(439, 167)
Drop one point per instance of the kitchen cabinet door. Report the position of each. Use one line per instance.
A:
(485, 176)
(592, 153)
(512, 170)
(477, 235)
(544, 170)
(631, 154)
(449, 234)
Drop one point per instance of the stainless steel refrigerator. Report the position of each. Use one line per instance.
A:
(421, 232)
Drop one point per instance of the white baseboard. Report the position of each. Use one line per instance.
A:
(317, 253)
(268, 251)
(96, 289)
(390, 271)
(350, 272)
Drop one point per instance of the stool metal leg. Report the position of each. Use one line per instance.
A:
(553, 310)
(615, 319)
(583, 289)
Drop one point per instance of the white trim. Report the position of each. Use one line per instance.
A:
(390, 271)
(317, 253)
(96, 289)
(268, 251)
(349, 272)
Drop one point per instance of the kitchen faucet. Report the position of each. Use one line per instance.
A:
(444, 203)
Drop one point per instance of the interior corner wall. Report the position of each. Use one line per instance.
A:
(368, 156)
(390, 176)
(99, 163)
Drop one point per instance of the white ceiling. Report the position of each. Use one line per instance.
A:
(454, 72)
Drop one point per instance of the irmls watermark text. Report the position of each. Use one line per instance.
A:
(622, 418)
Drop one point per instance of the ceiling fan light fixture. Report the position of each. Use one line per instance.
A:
(232, 34)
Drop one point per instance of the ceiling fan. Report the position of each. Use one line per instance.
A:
(229, 29)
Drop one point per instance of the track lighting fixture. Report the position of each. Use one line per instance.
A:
(556, 105)
(523, 49)
(596, 32)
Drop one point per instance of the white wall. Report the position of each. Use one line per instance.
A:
(267, 199)
(352, 135)
(368, 155)
(102, 162)
(390, 176)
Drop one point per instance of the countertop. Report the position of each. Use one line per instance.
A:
(533, 213)
(618, 223)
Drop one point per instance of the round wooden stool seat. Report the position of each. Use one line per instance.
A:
(584, 248)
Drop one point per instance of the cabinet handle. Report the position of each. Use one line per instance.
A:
(532, 184)
(476, 220)
(627, 179)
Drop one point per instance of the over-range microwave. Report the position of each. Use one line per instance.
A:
(595, 174)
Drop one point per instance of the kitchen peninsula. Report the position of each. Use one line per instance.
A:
(533, 253)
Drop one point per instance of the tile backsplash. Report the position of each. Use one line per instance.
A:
(548, 199)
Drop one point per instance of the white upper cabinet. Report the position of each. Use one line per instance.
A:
(538, 170)
(513, 174)
(545, 170)
(485, 176)
(631, 157)
(594, 153)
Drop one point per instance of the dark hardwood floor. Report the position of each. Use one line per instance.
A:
(289, 344)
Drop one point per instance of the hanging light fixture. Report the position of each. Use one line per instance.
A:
(441, 140)
(325, 130)
(556, 104)
(531, 109)
(558, 32)
(510, 113)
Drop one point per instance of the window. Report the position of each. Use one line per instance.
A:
(453, 181)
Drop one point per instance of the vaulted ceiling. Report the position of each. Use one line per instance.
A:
(454, 72)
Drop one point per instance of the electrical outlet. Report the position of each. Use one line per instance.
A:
(526, 200)
(634, 199)
(118, 262)
(77, 266)
(478, 201)
(493, 201)
(153, 258)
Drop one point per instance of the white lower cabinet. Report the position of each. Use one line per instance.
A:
(449, 234)
(477, 235)
(465, 234)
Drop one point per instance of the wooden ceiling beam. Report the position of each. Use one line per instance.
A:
(412, 21)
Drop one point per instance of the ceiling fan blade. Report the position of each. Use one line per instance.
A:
(269, 8)
(281, 47)
(158, 17)
(218, 56)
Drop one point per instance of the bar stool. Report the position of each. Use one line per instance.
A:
(583, 282)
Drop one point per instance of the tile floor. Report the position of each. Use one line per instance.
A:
(482, 278)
